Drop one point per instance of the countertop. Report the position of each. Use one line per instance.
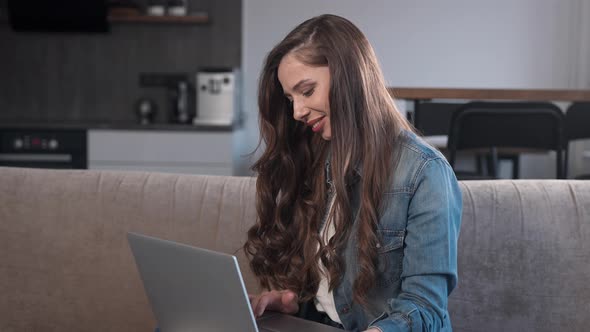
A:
(115, 126)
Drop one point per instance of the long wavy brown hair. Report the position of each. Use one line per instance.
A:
(291, 186)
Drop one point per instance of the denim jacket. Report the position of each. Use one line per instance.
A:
(417, 251)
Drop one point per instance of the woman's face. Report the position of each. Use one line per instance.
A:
(307, 88)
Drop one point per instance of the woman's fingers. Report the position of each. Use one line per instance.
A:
(289, 302)
(254, 301)
(283, 301)
(263, 303)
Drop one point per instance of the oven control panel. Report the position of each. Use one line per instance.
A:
(43, 148)
(28, 143)
(45, 141)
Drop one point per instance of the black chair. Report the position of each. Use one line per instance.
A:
(507, 125)
(577, 126)
(434, 118)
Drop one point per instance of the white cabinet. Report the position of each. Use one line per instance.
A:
(162, 151)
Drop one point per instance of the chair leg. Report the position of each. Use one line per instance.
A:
(493, 163)
(560, 164)
(479, 164)
(515, 166)
(565, 161)
(515, 161)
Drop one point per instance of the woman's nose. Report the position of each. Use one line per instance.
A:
(299, 111)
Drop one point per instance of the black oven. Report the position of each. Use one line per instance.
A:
(43, 148)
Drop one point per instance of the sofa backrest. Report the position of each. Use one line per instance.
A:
(65, 264)
(524, 247)
(524, 257)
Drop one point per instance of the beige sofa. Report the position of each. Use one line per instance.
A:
(524, 250)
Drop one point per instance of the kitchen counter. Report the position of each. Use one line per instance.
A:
(192, 149)
(117, 126)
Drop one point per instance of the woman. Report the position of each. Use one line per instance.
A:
(358, 218)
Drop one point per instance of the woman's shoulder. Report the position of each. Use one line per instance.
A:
(415, 147)
(411, 156)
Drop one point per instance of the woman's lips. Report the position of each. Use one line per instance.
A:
(317, 124)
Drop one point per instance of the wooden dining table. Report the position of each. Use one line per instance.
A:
(423, 94)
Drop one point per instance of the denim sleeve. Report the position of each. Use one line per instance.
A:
(430, 253)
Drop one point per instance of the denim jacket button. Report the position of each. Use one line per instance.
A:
(344, 310)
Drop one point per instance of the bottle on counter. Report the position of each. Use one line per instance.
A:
(181, 109)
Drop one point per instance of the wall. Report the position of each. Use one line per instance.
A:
(81, 77)
(429, 43)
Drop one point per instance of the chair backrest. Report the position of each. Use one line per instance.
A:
(434, 118)
(577, 121)
(529, 125)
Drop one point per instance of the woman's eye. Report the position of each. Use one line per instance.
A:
(308, 93)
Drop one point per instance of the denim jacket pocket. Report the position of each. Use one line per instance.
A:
(390, 256)
(389, 240)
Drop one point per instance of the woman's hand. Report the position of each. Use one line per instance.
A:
(284, 301)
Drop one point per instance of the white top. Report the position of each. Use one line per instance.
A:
(324, 298)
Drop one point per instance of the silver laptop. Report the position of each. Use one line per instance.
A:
(194, 289)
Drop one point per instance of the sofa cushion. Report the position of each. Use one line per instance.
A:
(524, 257)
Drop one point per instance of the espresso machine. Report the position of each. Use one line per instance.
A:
(217, 94)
